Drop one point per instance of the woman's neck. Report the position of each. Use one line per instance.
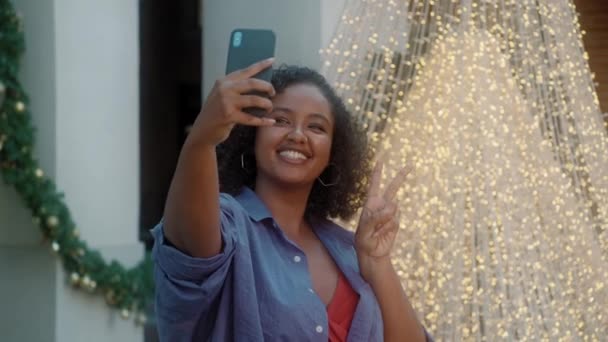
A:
(287, 204)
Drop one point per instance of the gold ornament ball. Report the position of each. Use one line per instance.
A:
(39, 173)
(125, 313)
(20, 106)
(86, 281)
(55, 246)
(92, 286)
(52, 221)
(75, 278)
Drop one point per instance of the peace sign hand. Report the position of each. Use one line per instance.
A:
(379, 221)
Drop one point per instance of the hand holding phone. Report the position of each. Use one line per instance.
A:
(247, 47)
(226, 103)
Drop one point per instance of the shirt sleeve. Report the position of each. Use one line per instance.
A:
(187, 287)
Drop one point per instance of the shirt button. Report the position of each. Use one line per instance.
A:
(319, 329)
(311, 290)
(297, 258)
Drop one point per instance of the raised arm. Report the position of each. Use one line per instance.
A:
(374, 239)
(192, 210)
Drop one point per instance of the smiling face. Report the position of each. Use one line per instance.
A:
(297, 149)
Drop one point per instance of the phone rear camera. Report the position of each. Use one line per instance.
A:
(237, 38)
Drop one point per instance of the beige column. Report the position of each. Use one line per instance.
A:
(81, 73)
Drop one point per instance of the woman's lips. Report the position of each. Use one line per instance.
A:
(293, 157)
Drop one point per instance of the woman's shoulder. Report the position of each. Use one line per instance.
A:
(230, 202)
(227, 199)
(245, 203)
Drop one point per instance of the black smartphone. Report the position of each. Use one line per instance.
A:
(249, 46)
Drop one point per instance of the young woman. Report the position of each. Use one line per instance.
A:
(261, 261)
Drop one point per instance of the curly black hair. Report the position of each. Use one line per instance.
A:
(350, 157)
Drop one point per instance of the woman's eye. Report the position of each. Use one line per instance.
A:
(317, 128)
(281, 121)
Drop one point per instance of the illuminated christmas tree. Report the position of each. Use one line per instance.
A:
(505, 216)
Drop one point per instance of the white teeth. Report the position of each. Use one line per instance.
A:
(293, 155)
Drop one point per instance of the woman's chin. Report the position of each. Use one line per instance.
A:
(289, 176)
(293, 181)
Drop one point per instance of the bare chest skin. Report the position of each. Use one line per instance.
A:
(323, 270)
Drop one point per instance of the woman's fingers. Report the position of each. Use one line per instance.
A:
(374, 186)
(254, 85)
(389, 228)
(390, 225)
(224, 106)
(380, 217)
(247, 101)
(396, 183)
(252, 120)
(251, 70)
(231, 102)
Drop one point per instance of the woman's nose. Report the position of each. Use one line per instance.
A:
(296, 135)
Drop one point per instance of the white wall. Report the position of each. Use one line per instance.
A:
(97, 137)
(301, 27)
(331, 12)
(81, 72)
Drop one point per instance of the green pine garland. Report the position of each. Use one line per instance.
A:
(129, 290)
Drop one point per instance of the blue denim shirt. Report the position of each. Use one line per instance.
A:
(259, 287)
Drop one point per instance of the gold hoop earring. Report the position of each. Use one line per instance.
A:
(243, 163)
(331, 167)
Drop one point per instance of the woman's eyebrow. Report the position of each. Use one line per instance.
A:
(320, 116)
(282, 109)
(290, 111)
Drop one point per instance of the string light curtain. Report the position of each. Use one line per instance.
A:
(504, 218)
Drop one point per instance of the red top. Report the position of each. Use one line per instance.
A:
(341, 310)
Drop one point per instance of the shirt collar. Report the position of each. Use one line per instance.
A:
(252, 204)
